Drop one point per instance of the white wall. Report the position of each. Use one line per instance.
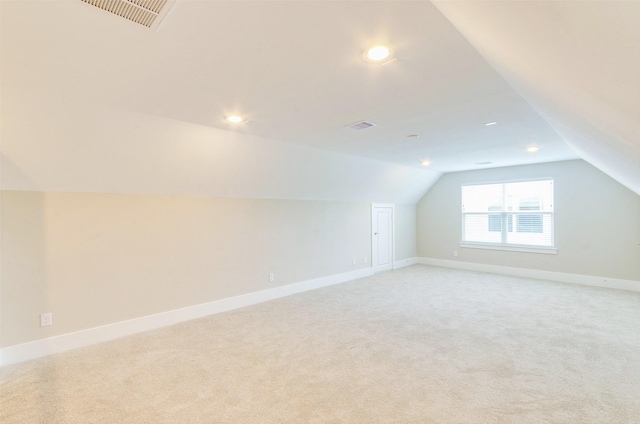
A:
(406, 246)
(597, 222)
(95, 259)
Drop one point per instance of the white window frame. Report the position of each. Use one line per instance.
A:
(503, 245)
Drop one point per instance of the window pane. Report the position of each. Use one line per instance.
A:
(482, 198)
(495, 223)
(529, 196)
(476, 228)
(535, 230)
(529, 223)
(530, 204)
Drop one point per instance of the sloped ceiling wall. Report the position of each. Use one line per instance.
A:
(576, 63)
(120, 151)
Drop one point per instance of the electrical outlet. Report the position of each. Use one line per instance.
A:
(46, 319)
(354, 261)
(365, 259)
(272, 277)
(455, 253)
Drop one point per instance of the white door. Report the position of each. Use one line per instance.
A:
(382, 238)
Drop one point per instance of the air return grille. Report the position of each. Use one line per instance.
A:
(143, 12)
(362, 125)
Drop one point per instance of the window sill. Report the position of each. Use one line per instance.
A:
(511, 248)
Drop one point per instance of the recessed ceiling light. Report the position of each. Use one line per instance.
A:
(378, 53)
(425, 163)
(532, 149)
(490, 123)
(234, 119)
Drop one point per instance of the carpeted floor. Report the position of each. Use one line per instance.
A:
(417, 345)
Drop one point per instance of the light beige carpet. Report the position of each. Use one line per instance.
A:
(416, 345)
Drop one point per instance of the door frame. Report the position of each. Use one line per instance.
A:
(393, 231)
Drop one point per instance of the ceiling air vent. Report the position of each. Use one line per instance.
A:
(362, 125)
(144, 12)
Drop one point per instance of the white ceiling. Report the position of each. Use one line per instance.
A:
(295, 70)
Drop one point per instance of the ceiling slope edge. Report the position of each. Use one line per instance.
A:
(575, 63)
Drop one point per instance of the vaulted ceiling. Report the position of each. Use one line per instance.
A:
(577, 63)
(93, 102)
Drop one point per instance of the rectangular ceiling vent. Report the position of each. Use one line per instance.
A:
(362, 125)
(144, 12)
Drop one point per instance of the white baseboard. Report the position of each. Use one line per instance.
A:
(36, 349)
(587, 280)
(405, 262)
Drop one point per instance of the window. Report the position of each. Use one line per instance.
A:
(509, 214)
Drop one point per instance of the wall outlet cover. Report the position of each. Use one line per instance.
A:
(46, 319)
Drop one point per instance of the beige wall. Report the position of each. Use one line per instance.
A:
(95, 259)
(597, 222)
